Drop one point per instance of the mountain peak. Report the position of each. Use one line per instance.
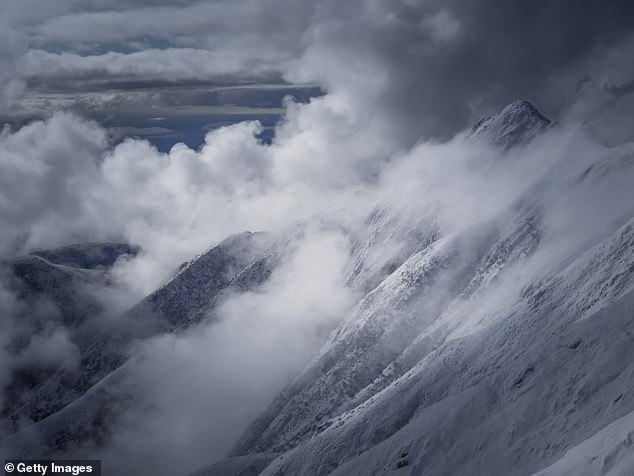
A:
(517, 124)
(522, 109)
(522, 105)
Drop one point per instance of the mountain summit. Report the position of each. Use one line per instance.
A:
(517, 124)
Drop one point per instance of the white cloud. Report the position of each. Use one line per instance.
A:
(12, 47)
(441, 26)
(171, 64)
(195, 393)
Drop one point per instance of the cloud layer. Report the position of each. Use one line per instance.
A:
(400, 78)
(432, 67)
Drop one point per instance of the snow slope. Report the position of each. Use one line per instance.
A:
(503, 400)
(459, 371)
(607, 453)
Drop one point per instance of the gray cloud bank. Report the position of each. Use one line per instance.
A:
(436, 66)
(398, 76)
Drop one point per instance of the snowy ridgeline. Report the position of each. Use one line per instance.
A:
(502, 347)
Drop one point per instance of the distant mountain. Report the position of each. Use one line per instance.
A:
(237, 264)
(54, 289)
(60, 275)
(88, 255)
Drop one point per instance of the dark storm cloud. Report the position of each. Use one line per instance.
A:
(111, 43)
(11, 48)
(184, 41)
(446, 63)
(436, 65)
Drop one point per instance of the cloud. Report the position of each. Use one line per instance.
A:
(62, 184)
(141, 42)
(435, 67)
(431, 68)
(400, 79)
(172, 64)
(190, 22)
(45, 165)
(34, 341)
(441, 27)
(12, 46)
(194, 394)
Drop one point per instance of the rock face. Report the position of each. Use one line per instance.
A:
(502, 347)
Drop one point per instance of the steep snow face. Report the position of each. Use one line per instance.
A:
(511, 285)
(506, 399)
(415, 279)
(385, 242)
(249, 465)
(388, 317)
(366, 352)
(609, 452)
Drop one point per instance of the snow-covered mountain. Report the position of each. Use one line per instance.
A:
(54, 291)
(438, 370)
(240, 262)
(518, 124)
(500, 347)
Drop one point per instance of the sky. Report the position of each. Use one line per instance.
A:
(437, 65)
(167, 71)
(344, 88)
(174, 124)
